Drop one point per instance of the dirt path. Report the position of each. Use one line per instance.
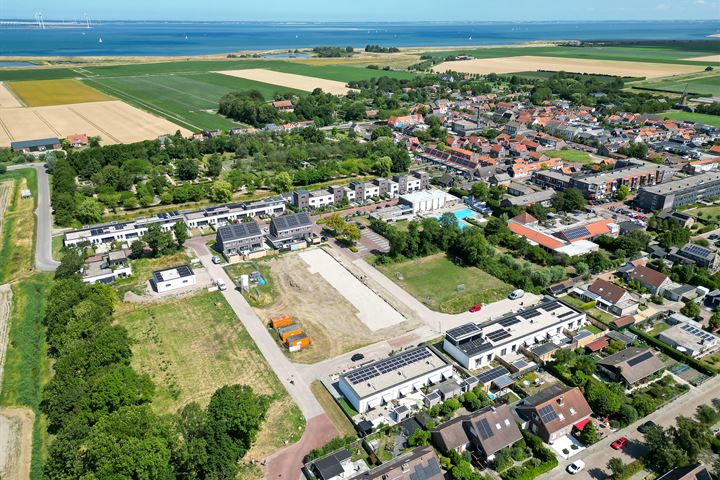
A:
(16, 427)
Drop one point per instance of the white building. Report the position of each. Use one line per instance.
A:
(107, 268)
(380, 382)
(428, 200)
(173, 278)
(320, 198)
(689, 339)
(475, 346)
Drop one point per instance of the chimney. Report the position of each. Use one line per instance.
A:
(560, 400)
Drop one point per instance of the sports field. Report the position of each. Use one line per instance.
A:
(700, 84)
(444, 286)
(289, 80)
(113, 122)
(41, 93)
(575, 65)
(569, 155)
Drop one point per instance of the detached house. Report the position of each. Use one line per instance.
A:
(632, 365)
(654, 281)
(610, 297)
(554, 412)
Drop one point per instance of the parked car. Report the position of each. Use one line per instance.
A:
(216, 259)
(475, 308)
(646, 426)
(517, 294)
(576, 467)
(221, 284)
(620, 443)
(360, 225)
(357, 357)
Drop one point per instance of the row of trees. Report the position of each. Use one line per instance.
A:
(98, 407)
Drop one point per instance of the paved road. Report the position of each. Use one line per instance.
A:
(43, 243)
(597, 456)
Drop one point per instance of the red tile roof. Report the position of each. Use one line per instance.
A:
(598, 344)
(546, 241)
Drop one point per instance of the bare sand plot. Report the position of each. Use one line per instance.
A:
(575, 65)
(707, 58)
(7, 99)
(290, 80)
(113, 122)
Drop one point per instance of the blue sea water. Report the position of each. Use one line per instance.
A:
(184, 39)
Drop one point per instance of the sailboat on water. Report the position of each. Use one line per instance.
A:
(100, 40)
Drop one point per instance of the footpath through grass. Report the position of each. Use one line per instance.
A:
(17, 240)
(444, 286)
(193, 346)
(27, 367)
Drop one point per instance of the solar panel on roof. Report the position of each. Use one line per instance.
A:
(566, 314)
(641, 358)
(509, 321)
(498, 335)
(491, 375)
(485, 430)
(463, 330)
(388, 365)
(575, 233)
(697, 250)
(552, 306)
(547, 414)
(530, 314)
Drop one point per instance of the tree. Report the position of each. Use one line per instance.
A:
(568, 201)
(72, 261)
(161, 243)
(214, 166)
(137, 247)
(419, 438)
(589, 434)
(383, 166)
(617, 468)
(180, 231)
(480, 191)
(351, 232)
(282, 182)
(602, 399)
(691, 309)
(335, 222)
(463, 471)
(663, 454)
(221, 191)
(379, 132)
(187, 169)
(89, 211)
(706, 415)
(628, 414)
(714, 322)
(622, 193)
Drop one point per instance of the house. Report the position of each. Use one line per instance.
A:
(36, 147)
(688, 337)
(420, 463)
(451, 435)
(448, 389)
(654, 281)
(553, 412)
(610, 297)
(692, 472)
(239, 238)
(335, 466)
(77, 140)
(543, 352)
(289, 229)
(691, 254)
(283, 105)
(173, 278)
(624, 321)
(106, 268)
(632, 365)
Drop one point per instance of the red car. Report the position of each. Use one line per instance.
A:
(620, 443)
(475, 308)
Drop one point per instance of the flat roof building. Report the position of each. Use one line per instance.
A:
(394, 377)
(689, 339)
(475, 346)
(428, 200)
(173, 278)
(679, 192)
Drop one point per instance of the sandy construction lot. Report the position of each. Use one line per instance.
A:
(113, 122)
(7, 99)
(290, 80)
(575, 65)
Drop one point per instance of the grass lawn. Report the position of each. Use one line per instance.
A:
(192, 347)
(57, 245)
(27, 367)
(39, 93)
(434, 280)
(574, 156)
(593, 312)
(658, 327)
(142, 271)
(713, 120)
(258, 296)
(17, 239)
(333, 411)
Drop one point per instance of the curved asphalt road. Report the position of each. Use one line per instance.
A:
(43, 241)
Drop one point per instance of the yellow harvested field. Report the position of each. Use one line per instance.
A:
(504, 65)
(42, 93)
(708, 58)
(7, 99)
(290, 80)
(114, 122)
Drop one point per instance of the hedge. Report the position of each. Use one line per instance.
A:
(698, 365)
(532, 473)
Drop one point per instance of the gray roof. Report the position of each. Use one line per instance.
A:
(330, 466)
(544, 348)
(35, 143)
(634, 364)
(685, 184)
(295, 220)
(238, 231)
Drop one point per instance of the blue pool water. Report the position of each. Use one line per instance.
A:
(461, 215)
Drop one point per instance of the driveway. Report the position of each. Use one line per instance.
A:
(43, 240)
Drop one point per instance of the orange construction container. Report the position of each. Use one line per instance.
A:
(281, 321)
(297, 342)
(289, 331)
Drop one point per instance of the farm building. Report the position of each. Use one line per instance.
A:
(239, 239)
(173, 278)
(77, 140)
(475, 346)
(36, 147)
(394, 377)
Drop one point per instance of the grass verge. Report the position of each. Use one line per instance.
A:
(18, 233)
(332, 410)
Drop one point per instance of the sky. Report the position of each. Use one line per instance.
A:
(365, 10)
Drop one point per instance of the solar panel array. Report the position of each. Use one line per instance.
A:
(566, 314)
(167, 215)
(498, 335)
(697, 250)
(639, 359)
(547, 414)
(463, 330)
(292, 221)
(509, 321)
(576, 233)
(552, 306)
(491, 375)
(484, 428)
(388, 365)
(473, 347)
(697, 332)
(530, 314)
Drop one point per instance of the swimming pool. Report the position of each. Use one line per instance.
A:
(461, 215)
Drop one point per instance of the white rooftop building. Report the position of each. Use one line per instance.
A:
(428, 200)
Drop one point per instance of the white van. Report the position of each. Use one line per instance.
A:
(221, 284)
(517, 294)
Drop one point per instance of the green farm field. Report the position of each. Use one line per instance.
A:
(700, 84)
(433, 280)
(713, 120)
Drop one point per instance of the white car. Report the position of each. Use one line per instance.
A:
(517, 294)
(220, 284)
(576, 467)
